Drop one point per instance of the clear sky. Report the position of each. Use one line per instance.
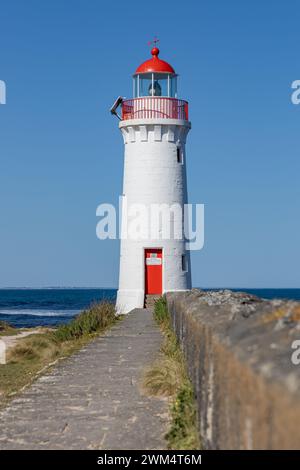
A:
(61, 153)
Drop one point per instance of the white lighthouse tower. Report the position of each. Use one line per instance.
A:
(154, 125)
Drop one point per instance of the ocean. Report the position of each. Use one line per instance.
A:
(47, 307)
(51, 307)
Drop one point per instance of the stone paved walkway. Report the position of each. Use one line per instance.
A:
(92, 399)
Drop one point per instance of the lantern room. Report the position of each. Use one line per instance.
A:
(155, 77)
(154, 93)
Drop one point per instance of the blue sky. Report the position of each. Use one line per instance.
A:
(61, 153)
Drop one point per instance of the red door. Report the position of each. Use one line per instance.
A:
(153, 271)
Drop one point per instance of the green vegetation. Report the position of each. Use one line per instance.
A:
(6, 329)
(98, 317)
(168, 377)
(37, 352)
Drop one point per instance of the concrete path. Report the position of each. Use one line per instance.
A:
(92, 400)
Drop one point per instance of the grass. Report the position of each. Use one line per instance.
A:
(98, 317)
(37, 352)
(168, 377)
(6, 329)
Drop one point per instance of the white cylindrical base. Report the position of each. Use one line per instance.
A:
(128, 300)
(154, 174)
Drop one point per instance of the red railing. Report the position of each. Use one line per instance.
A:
(153, 108)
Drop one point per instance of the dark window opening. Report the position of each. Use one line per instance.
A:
(179, 155)
(184, 263)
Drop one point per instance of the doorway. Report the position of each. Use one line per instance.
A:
(153, 271)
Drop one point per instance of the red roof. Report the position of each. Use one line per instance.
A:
(155, 64)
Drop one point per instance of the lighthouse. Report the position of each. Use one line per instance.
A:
(154, 126)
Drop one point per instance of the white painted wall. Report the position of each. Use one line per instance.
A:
(152, 174)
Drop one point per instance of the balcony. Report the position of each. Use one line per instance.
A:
(155, 108)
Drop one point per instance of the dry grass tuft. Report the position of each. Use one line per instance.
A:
(35, 347)
(162, 378)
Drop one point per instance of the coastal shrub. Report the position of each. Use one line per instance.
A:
(96, 318)
(22, 351)
(34, 347)
(6, 328)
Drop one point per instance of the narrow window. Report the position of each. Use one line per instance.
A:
(183, 263)
(179, 155)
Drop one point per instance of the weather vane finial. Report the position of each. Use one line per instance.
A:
(155, 41)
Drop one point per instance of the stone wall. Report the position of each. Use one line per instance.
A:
(238, 351)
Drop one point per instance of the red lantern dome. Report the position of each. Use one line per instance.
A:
(155, 64)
